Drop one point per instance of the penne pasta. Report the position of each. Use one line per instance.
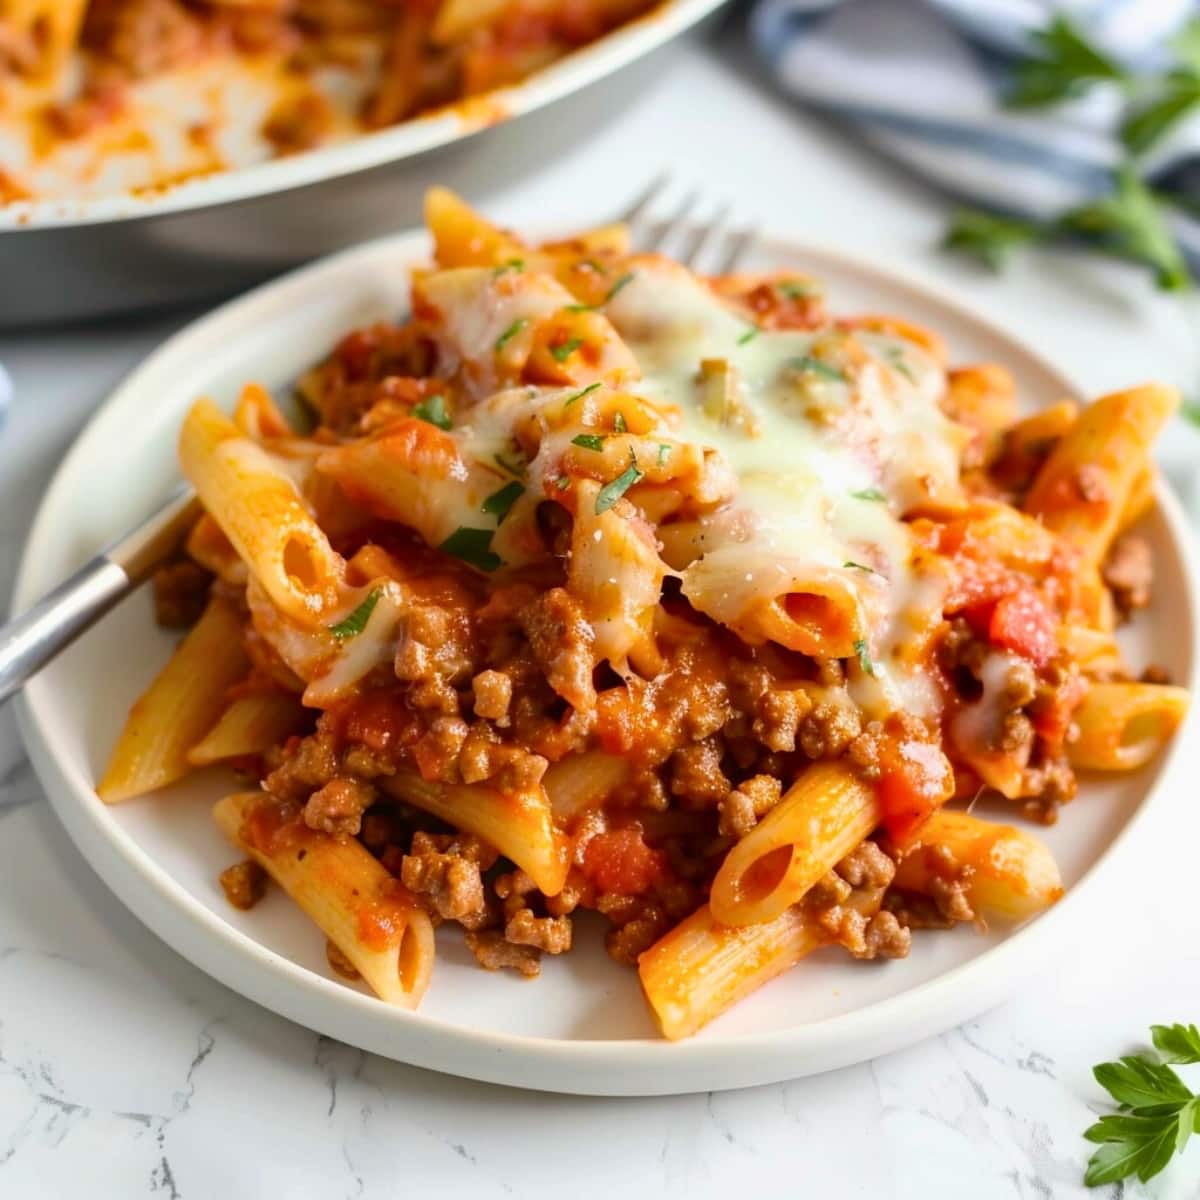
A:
(820, 819)
(180, 706)
(250, 725)
(260, 512)
(350, 897)
(1122, 726)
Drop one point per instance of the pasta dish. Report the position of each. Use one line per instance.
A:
(81, 95)
(599, 585)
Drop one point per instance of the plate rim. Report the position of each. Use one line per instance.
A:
(418, 135)
(622, 1066)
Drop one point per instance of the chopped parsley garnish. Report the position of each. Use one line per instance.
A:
(564, 350)
(433, 410)
(589, 441)
(864, 656)
(619, 425)
(749, 335)
(795, 290)
(473, 546)
(591, 387)
(610, 493)
(872, 494)
(356, 622)
(664, 452)
(860, 567)
(895, 357)
(511, 332)
(562, 483)
(498, 503)
(814, 366)
(627, 278)
(513, 468)
(513, 264)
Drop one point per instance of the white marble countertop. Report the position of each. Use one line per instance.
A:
(125, 1072)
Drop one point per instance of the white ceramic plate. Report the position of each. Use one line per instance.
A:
(581, 1027)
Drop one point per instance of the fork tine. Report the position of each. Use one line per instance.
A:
(740, 245)
(642, 204)
(705, 235)
(661, 232)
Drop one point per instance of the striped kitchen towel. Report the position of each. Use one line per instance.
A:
(923, 81)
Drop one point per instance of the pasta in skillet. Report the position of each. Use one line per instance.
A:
(600, 585)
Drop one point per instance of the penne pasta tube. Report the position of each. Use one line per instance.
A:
(250, 725)
(1085, 485)
(519, 825)
(178, 708)
(260, 511)
(820, 819)
(581, 781)
(701, 968)
(1123, 725)
(350, 896)
(1140, 499)
(1006, 871)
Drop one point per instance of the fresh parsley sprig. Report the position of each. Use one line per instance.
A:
(1065, 66)
(1158, 1111)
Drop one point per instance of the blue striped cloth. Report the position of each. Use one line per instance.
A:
(923, 82)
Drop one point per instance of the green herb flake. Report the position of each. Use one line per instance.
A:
(580, 308)
(989, 237)
(895, 357)
(591, 387)
(511, 332)
(498, 503)
(516, 469)
(564, 350)
(664, 452)
(872, 494)
(356, 622)
(433, 410)
(610, 493)
(513, 264)
(864, 656)
(795, 289)
(857, 566)
(472, 546)
(589, 441)
(814, 366)
(623, 282)
(619, 425)
(562, 483)
(749, 335)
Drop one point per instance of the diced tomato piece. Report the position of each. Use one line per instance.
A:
(1021, 622)
(620, 861)
(916, 780)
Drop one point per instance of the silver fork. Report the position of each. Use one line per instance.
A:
(31, 640)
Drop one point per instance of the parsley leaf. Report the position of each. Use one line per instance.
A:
(873, 494)
(473, 546)
(619, 425)
(564, 350)
(989, 237)
(749, 335)
(1159, 1112)
(356, 622)
(1130, 223)
(895, 357)
(433, 410)
(814, 366)
(860, 567)
(610, 493)
(1186, 44)
(513, 264)
(589, 441)
(511, 332)
(797, 290)
(498, 503)
(624, 281)
(1177, 1043)
(864, 656)
(516, 468)
(562, 483)
(664, 452)
(1143, 128)
(1066, 66)
(591, 387)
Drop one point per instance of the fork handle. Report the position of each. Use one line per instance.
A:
(31, 640)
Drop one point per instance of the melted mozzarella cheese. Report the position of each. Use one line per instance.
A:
(813, 447)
